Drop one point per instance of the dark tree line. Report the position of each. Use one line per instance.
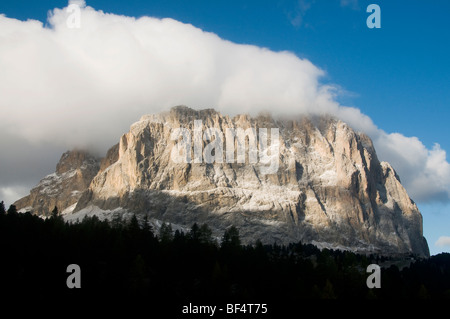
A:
(128, 259)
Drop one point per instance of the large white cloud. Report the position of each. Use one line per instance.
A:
(83, 86)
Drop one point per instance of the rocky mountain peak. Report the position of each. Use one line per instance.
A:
(75, 159)
(74, 173)
(328, 186)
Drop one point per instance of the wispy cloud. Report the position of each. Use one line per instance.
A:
(298, 12)
(297, 15)
(443, 241)
(352, 4)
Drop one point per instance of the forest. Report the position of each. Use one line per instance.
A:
(128, 260)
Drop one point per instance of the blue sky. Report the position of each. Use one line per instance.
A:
(398, 75)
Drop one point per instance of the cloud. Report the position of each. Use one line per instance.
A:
(64, 87)
(297, 13)
(296, 16)
(353, 4)
(80, 3)
(60, 84)
(424, 172)
(443, 241)
(10, 194)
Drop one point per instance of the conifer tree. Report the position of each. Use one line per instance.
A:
(166, 233)
(231, 237)
(205, 234)
(55, 212)
(12, 209)
(194, 234)
(2, 209)
(133, 225)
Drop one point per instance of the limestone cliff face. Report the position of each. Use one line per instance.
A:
(329, 187)
(74, 173)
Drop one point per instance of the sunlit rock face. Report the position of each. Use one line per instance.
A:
(328, 188)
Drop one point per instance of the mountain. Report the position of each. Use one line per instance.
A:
(74, 172)
(320, 182)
